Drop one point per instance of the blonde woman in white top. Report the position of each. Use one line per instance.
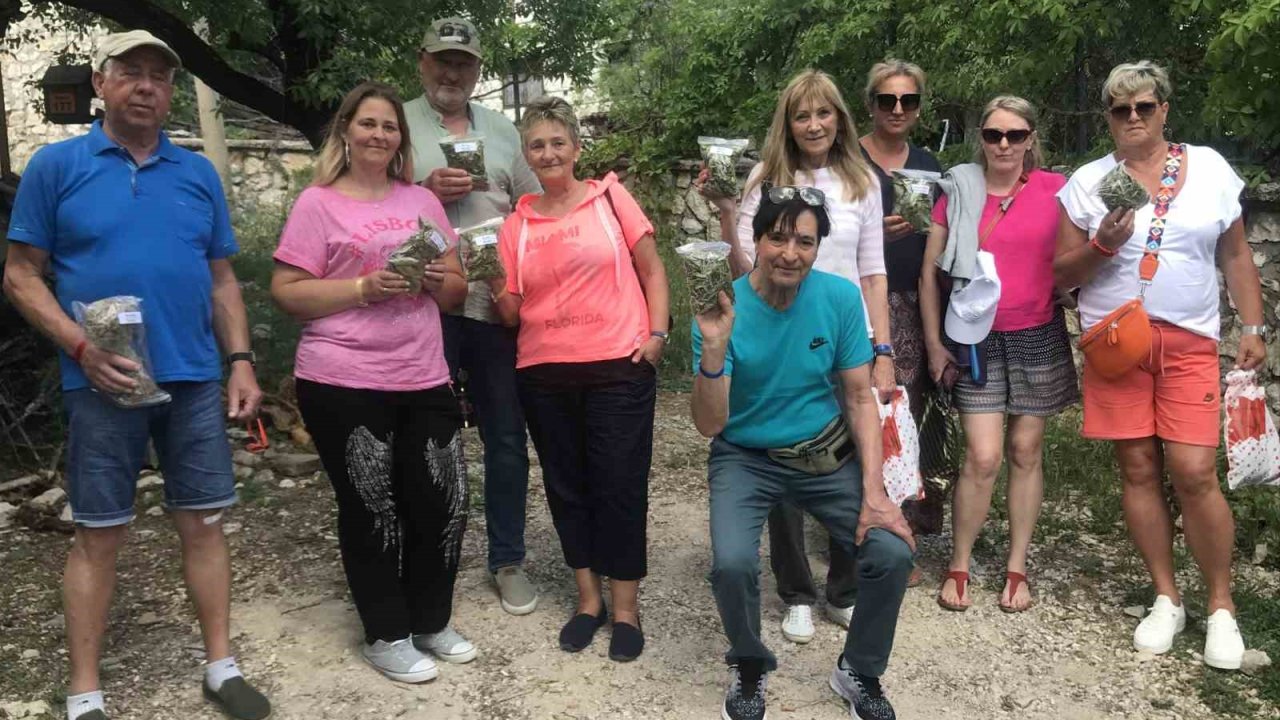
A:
(813, 141)
(1163, 415)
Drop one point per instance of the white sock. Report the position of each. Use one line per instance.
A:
(78, 705)
(220, 671)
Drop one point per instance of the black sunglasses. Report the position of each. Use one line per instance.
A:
(888, 101)
(1144, 109)
(991, 136)
(811, 196)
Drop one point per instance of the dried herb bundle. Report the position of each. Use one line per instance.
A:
(1118, 189)
(722, 158)
(479, 244)
(913, 193)
(410, 260)
(115, 324)
(467, 154)
(706, 269)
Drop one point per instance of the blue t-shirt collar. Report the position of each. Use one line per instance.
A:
(100, 142)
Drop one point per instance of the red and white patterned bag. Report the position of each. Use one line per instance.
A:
(902, 478)
(1253, 447)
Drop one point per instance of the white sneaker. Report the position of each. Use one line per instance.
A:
(1156, 631)
(840, 616)
(797, 624)
(447, 645)
(400, 660)
(1223, 646)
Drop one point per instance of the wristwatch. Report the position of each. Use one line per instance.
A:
(884, 349)
(1254, 330)
(249, 356)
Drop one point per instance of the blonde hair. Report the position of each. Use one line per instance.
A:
(1025, 110)
(332, 161)
(1129, 79)
(892, 68)
(781, 156)
(549, 108)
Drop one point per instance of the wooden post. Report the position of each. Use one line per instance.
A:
(212, 130)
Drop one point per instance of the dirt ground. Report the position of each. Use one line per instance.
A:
(297, 635)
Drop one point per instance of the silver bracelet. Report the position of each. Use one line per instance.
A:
(1253, 330)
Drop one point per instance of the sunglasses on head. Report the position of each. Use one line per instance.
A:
(1145, 109)
(886, 102)
(809, 195)
(991, 136)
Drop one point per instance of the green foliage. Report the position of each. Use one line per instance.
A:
(258, 232)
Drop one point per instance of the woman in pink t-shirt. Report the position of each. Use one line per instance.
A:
(999, 217)
(586, 286)
(373, 386)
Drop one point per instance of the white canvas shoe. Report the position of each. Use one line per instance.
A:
(797, 624)
(1223, 646)
(1156, 631)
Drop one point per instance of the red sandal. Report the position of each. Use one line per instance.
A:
(961, 579)
(1014, 579)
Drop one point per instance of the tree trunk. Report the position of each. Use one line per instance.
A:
(212, 130)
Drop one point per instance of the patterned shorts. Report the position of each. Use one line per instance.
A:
(1029, 372)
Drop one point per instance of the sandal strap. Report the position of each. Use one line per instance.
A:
(1014, 579)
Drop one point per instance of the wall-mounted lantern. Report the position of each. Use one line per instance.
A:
(68, 93)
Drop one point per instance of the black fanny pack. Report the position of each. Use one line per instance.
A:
(822, 454)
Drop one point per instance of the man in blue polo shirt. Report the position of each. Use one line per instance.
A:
(122, 211)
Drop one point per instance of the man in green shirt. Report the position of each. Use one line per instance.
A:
(475, 341)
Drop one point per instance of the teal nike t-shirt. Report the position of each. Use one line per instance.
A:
(782, 363)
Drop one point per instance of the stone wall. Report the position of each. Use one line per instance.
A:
(263, 172)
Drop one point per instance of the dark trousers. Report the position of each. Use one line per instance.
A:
(790, 563)
(487, 353)
(595, 444)
(396, 465)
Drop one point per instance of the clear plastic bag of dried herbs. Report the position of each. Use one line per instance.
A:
(721, 157)
(467, 153)
(479, 247)
(1118, 189)
(115, 324)
(411, 258)
(707, 272)
(913, 194)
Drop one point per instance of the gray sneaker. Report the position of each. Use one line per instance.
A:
(400, 661)
(517, 593)
(447, 645)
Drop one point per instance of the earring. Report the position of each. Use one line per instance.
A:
(399, 163)
(346, 154)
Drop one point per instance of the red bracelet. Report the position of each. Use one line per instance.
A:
(1105, 252)
(79, 351)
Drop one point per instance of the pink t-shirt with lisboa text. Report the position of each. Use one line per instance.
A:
(391, 345)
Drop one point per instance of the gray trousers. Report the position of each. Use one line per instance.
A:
(745, 486)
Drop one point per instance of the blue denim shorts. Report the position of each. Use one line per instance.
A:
(107, 447)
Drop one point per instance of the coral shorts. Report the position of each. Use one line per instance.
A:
(1174, 395)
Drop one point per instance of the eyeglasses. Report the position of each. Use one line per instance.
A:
(1145, 109)
(811, 196)
(886, 102)
(991, 136)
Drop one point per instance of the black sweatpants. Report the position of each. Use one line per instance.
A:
(396, 464)
(593, 429)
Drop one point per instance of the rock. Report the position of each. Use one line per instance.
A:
(288, 484)
(30, 654)
(244, 458)
(65, 516)
(698, 205)
(265, 476)
(18, 710)
(1254, 662)
(300, 437)
(156, 511)
(692, 227)
(1259, 553)
(296, 464)
(230, 528)
(261, 331)
(150, 482)
(243, 472)
(7, 512)
(1137, 611)
(24, 486)
(48, 502)
(148, 618)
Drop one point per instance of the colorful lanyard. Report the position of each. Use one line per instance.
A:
(1164, 197)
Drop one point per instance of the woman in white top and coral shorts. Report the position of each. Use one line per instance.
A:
(1164, 414)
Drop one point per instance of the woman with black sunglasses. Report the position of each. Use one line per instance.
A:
(893, 94)
(813, 141)
(993, 235)
(1163, 413)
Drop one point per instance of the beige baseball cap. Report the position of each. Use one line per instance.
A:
(118, 44)
(452, 33)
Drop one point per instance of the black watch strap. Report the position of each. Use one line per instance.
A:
(249, 356)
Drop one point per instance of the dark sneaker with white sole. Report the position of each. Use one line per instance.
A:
(238, 699)
(866, 699)
(744, 700)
